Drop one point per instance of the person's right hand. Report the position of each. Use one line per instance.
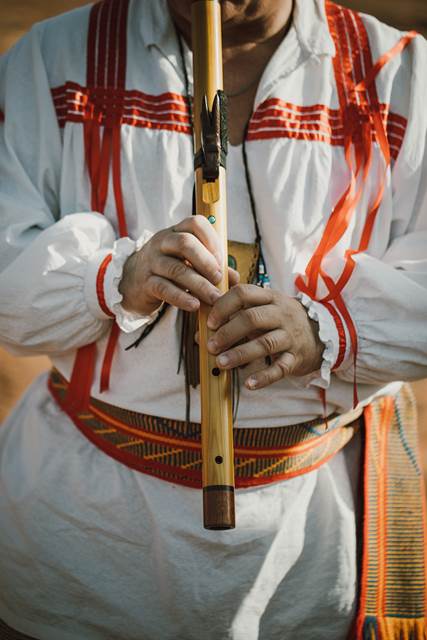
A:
(179, 265)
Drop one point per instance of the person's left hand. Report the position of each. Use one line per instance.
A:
(276, 328)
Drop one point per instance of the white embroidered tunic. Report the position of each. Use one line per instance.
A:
(90, 549)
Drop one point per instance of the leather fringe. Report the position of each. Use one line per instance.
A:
(189, 359)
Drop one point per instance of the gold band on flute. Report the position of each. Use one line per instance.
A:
(210, 151)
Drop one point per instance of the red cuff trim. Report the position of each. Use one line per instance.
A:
(100, 285)
(341, 333)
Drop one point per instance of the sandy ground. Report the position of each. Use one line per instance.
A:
(16, 16)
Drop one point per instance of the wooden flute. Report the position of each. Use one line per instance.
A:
(210, 148)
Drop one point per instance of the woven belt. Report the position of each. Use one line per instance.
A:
(171, 449)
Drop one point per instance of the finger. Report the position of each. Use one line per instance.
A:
(186, 246)
(203, 230)
(281, 368)
(265, 345)
(242, 296)
(163, 289)
(233, 277)
(263, 318)
(186, 278)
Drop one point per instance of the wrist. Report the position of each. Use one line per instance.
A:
(127, 286)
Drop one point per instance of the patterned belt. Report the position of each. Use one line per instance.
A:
(171, 449)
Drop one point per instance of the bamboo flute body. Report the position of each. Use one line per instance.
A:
(210, 182)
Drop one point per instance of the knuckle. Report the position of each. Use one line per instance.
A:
(284, 367)
(181, 298)
(199, 222)
(265, 378)
(223, 335)
(159, 288)
(185, 242)
(240, 291)
(253, 317)
(206, 289)
(163, 241)
(238, 355)
(176, 270)
(268, 343)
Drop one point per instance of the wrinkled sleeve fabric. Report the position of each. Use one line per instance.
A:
(48, 281)
(387, 295)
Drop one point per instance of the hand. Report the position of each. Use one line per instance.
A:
(278, 328)
(179, 265)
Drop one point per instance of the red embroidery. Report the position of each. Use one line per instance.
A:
(100, 285)
(275, 118)
(169, 111)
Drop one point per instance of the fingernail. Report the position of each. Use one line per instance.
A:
(193, 304)
(251, 383)
(223, 360)
(217, 277)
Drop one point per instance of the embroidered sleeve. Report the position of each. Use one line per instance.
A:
(332, 334)
(103, 278)
(43, 259)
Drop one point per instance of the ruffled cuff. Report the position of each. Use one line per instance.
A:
(104, 274)
(331, 334)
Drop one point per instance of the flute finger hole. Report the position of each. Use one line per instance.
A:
(216, 371)
(219, 459)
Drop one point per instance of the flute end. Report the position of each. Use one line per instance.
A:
(218, 507)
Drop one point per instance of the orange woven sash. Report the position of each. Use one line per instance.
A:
(171, 449)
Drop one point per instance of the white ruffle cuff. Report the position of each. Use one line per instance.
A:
(328, 334)
(122, 248)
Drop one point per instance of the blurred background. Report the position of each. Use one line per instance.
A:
(16, 16)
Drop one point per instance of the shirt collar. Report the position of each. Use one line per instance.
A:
(308, 36)
(312, 29)
(309, 22)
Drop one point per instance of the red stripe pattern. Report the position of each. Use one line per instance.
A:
(275, 118)
(170, 111)
(100, 285)
(74, 103)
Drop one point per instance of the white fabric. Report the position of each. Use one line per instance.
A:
(89, 549)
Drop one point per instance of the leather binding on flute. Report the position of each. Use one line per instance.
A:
(210, 144)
